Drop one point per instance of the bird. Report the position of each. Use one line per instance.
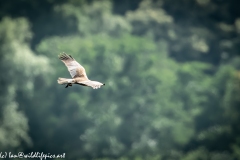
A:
(77, 73)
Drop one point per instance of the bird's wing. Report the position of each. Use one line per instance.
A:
(74, 68)
(93, 84)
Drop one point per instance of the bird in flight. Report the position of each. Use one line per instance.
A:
(77, 72)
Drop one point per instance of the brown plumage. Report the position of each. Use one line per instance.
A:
(77, 72)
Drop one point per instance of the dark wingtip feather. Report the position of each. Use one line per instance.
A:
(61, 55)
(64, 56)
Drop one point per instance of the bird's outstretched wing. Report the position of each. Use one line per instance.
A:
(93, 84)
(74, 68)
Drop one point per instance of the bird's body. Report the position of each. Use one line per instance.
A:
(77, 72)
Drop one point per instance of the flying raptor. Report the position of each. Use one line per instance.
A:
(77, 72)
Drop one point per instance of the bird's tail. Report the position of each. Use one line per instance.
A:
(64, 81)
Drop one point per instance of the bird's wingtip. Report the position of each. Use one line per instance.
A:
(62, 55)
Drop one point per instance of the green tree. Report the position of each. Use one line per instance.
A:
(172, 90)
(19, 66)
(143, 108)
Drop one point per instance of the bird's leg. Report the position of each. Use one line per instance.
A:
(69, 84)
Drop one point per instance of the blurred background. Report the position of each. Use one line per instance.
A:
(171, 68)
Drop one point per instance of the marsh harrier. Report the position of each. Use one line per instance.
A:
(77, 72)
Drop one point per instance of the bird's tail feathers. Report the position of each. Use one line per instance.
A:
(64, 80)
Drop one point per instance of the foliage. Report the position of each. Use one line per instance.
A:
(17, 77)
(171, 92)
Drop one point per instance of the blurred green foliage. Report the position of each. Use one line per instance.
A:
(172, 79)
